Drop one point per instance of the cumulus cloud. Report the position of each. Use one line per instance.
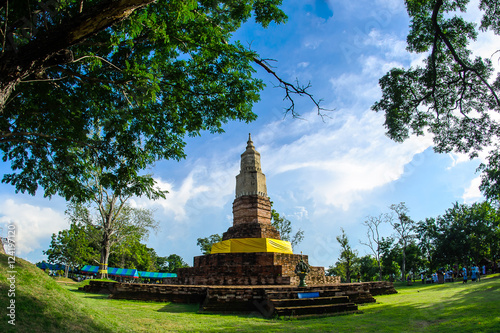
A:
(208, 184)
(33, 224)
(472, 193)
(342, 159)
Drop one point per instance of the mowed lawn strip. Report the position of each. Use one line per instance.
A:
(44, 305)
(417, 308)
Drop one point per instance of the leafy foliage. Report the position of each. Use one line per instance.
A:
(170, 264)
(368, 268)
(284, 227)
(450, 95)
(206, 243)
(131, 253)
(118, 85)
(348, 263)
(404, 228)
(467, 234)
(73, 247)
(120, 224)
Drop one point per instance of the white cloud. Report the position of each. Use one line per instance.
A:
(338, 161)
(33, 224)
(472, 193)
(300, 213)
(457, 159)
(207, 185)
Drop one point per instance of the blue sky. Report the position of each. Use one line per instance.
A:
(322, 174)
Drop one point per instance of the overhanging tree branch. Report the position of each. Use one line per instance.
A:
(454, 53)
(39, 53)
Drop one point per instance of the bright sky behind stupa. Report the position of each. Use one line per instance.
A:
(322, 173)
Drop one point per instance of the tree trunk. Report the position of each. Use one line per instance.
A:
(103, 264)
(6, 88)
(403, 267)
(50, 48)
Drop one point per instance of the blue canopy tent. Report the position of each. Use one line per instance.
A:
(89, 269)
(52, 267)
(130, 273)
(123, 272)
(155, 275)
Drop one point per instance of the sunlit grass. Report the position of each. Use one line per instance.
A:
(42, 305)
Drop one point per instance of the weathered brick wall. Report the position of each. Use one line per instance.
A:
(380, 288)
(251, 219)
(251, 209)
(235, 298)
(248, 269)
(159, 293)
(251, 230)
(99, 287)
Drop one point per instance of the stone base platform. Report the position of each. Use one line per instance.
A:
(236, 298)
(260, 268)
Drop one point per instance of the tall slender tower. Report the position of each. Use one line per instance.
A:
(251, 252)
(252, 207)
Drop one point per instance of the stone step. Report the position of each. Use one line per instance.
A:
(315, 309)
(310, 301)
(293, 294)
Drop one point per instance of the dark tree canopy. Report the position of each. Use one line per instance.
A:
(454, 94)
(119, 84)
(206, 243)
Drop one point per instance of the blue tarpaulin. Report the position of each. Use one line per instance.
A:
(155, 275)
(134, 273)
(52, 267)
(125, 272)
(308, 295)
(90, 269)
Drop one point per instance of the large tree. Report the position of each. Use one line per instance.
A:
(453, 95)
(466, 234)
(121, 82)
(374, 239)
(404, 226)
(426, 232)
(130, 252)
(116, 221)
(206, 243)
(170, 264)
(348, 262)
(73, 247)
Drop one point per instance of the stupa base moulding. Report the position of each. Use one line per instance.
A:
(249, 269)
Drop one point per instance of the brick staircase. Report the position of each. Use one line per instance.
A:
(283, 303)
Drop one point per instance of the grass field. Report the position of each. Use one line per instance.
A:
(44, 305)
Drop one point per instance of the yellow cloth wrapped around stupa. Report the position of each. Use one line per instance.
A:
(251, 245)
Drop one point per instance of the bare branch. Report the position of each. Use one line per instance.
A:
(100, 58)
(291, 89)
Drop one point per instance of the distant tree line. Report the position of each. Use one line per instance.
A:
(81, 244)
(464, 235)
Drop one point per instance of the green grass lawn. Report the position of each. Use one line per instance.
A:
(44, 305)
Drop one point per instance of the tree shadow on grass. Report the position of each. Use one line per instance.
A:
(195, 309)
(180, 308)
(32, 314)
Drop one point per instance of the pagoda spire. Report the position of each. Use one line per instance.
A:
(250, 180)
(250, 142)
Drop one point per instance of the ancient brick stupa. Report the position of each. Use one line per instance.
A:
(251, 252)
